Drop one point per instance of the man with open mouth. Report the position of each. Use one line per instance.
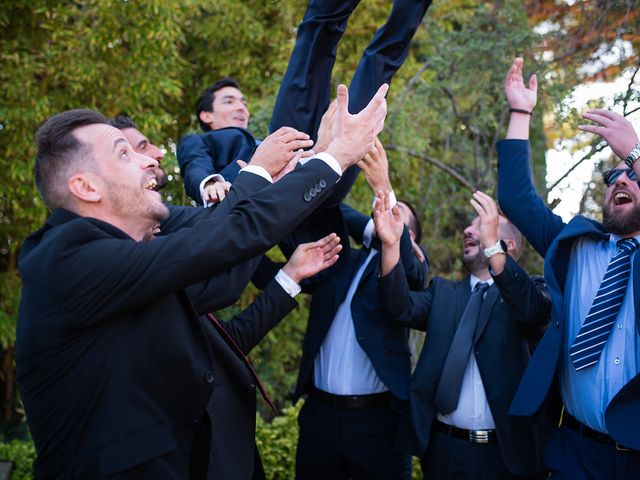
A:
(589, 359)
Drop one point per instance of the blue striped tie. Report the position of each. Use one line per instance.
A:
(593, 334)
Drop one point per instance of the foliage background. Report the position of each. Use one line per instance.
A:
(152, 59)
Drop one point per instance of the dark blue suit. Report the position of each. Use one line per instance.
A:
(306, 88)
(215, 151)
(514, 312)
(553, 239)
(324, 452)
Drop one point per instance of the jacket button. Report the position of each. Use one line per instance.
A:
(312, 192)
(208, 377)
(193, 424)
(251, 388)
(318, 188)
(322, 183)
(307, 197)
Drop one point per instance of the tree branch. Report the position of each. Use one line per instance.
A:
(437, 163)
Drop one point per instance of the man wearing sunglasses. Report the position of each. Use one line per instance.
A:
(590, 356)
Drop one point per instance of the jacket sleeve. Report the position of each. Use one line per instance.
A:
(527, 296)
(253, 323)
(518, 198)
(401, 305)
(197, 161)
(136, 273)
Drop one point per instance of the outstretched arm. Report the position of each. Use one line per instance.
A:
(516, 194)
(252, 324)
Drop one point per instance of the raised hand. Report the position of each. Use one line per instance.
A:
(375, 167)
(326, 125)
(487, 211)
(517, 93)
(353, 135)
(311, 258)
(616, 130)
(279, 148)
(216, 191)
(388, 221)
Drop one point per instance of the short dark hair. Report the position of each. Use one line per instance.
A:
(58, 150)
(122, 121)
(205, 102)
(414, 223)
(511, 232)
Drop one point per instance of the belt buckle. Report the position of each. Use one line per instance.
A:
(620, 448)
(479, 436)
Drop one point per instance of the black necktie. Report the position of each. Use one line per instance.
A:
(448, 390)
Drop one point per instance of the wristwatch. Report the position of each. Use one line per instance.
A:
(499, 247)
(633, 156)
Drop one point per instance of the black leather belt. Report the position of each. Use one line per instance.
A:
(585, 431)
(473, 436)
(374, 400)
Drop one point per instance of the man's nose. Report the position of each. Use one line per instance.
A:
(156, 153)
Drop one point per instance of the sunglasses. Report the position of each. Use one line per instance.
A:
(610, 176)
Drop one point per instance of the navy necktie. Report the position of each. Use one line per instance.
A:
(448, 390)
(593, 334)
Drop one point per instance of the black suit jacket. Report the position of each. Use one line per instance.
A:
(385, 344)
(515, 311)
(113, 361)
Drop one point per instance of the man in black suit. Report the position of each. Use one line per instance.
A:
(113, 361)
(355, 366)
(303, 97)
(476, 348)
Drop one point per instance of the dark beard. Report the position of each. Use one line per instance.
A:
(621, 223)
(477, 262)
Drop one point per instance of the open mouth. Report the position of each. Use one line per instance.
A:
(469, 243)
(621, 198)
(151, 184)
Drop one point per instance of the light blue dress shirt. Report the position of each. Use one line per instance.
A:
(586, 393)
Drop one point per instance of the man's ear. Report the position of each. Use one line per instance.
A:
(84, 187)
(511, 247)
(206, 117)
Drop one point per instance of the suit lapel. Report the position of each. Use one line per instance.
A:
(490, 299)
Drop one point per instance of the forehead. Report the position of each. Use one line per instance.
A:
(134, 136)
(100, 136)
(227, 92)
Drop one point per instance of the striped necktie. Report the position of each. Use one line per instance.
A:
(593, 334)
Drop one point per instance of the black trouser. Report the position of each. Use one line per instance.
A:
(342, 443)
(449, 458)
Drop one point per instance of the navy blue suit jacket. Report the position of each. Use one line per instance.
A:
(514, 313)
(553, 239)
(385, 344)
(215, 151)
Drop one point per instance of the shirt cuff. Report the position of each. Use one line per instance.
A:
(367, 236)
(288, 285)
(257, 170)
(326, 158)
(218, 178)
(392, 200)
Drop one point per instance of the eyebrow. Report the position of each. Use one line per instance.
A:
(142, 143)
(117, 141)
(224, 97)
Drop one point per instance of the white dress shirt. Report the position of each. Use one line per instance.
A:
(472, 412)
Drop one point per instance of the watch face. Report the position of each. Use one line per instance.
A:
(503, 246)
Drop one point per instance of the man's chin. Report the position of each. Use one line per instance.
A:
(621, 221)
